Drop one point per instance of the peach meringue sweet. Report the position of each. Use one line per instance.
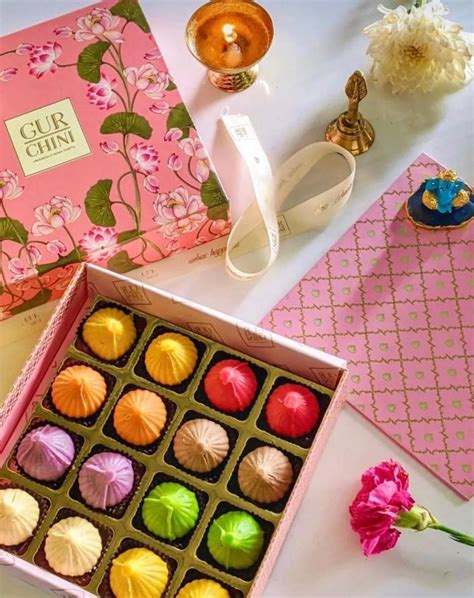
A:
(265, 474)
(78, 391)
(139, 417)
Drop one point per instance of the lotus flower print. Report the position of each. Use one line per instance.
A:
(101, 94)
(99, 24)
(9, 187)
(63, 32)
(173, 134)
(57, 247)
(151, 183)
(34, 253)
(58, 212)
(175, 163)
(160, 108)
(20, 270)
(23, 49)
(109, 147)
(153, 54)
(42, 59)
(7, 74)
(148, 79)
(145, 156)
(178, 212)
(193, 148)
(99, 243)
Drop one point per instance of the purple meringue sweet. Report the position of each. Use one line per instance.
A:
(106, 479)
(45, 453)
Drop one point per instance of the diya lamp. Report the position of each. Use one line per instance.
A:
(230, 38)
(444, 201)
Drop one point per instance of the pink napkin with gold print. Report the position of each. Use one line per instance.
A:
(397, 302)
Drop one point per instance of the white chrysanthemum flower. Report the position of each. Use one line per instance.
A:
(417, 48)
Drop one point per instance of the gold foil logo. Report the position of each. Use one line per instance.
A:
(47, 137)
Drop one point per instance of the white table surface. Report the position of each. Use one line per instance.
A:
(317, 45)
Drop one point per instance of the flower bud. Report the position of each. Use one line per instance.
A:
(417, 518)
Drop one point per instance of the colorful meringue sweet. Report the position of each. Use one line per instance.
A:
(292, 410)
(170, 510)
(109, 333)
(201, 445)
(171, 358)
(46, 453)
(138, 573)
(106, 479)
(203, 588)
(235, 540)
(73, 546)
(139, 417)
(265, 474)
(19, 516)
(78, 391)
(231, 385)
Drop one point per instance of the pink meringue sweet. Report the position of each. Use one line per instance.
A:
(45, 453)
(106, 479)
(231, 385)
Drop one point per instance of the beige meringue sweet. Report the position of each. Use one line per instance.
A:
(201, 445)
(265, 474)
(73, 546)
(19, 515)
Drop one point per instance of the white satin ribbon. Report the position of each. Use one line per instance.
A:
(262, 223)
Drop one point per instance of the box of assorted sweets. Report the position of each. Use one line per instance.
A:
(154, 447)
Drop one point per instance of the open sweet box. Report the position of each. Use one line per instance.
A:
(274, 360)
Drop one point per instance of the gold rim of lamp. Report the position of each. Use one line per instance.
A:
(229, 79)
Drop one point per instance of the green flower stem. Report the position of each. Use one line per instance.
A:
(133, 99)
(138, 198)
(8, 52)
(419, 3)
(76, 249)
(65, 65)
(460, 537)
(190, 171)
(122, 200)
(117, 58)
(186, 182)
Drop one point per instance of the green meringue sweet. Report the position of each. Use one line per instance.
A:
(170, 510)
(235, 540)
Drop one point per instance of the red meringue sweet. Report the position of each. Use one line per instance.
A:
(231, 385)
(292, 410)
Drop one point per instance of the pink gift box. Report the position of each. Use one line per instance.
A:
(100, 158)
(251, 340)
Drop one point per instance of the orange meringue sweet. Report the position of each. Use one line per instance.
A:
(78, 391)
(139, 417)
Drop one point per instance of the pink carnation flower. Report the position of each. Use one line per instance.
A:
(58, 212)
(101, 94)
(145, 157)
(178, 212)
(42, 59)
(8, 73)
(148, 79)
(99, 243)
(9, 187)
(99, 24)
(377, 506)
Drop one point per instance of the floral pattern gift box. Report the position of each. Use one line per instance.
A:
(100, 160)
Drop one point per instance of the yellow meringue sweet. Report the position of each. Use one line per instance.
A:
(203, 588)
(78, 391)
(19, 516)
(73, 546)
(138, 573)
(109, 333)
(171, 358)
(265, 474)
(201, 445)
(139, 417)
